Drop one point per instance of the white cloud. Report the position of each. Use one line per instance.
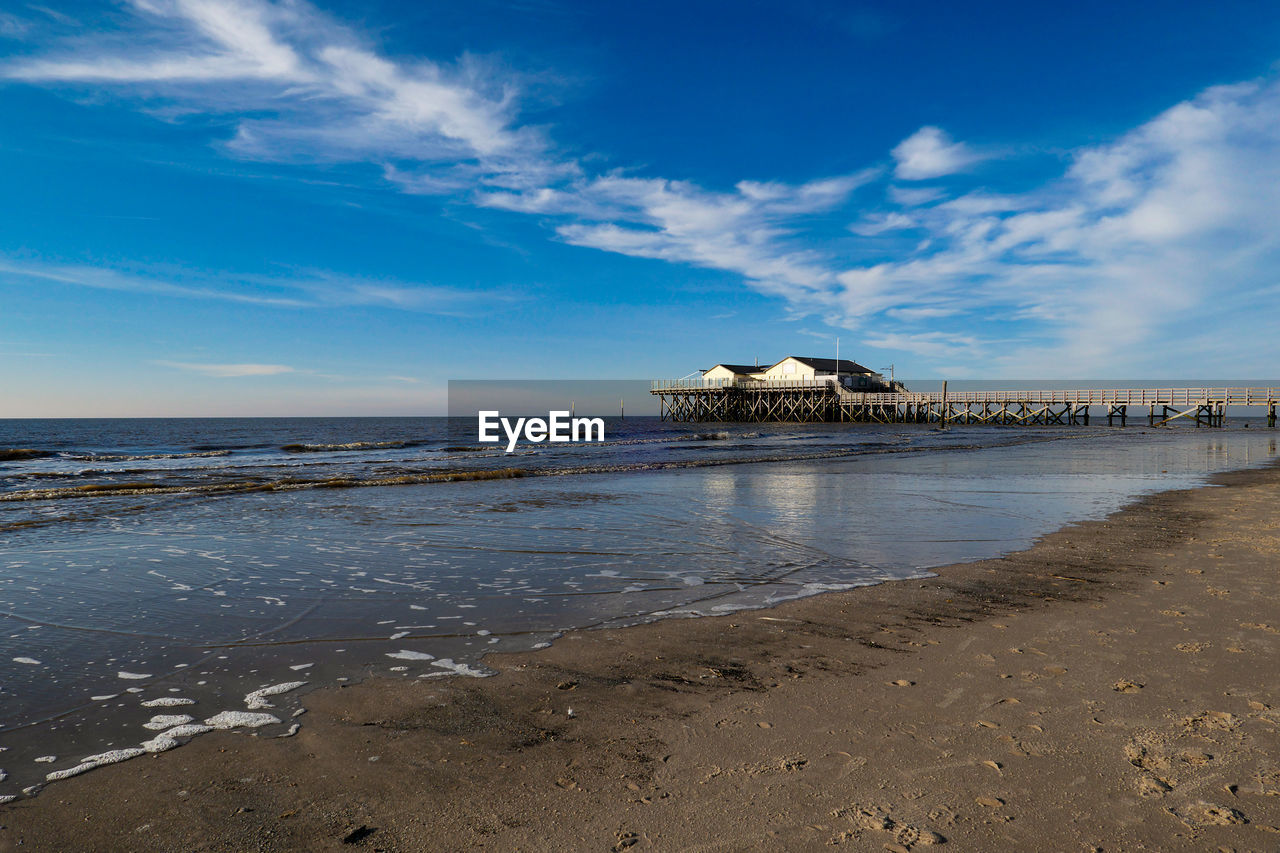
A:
(930, 153)
(879, 223)
(934, 345)
(745, 231)
(306, 88)
(1141, 236)
(229, 371)
(205, 41)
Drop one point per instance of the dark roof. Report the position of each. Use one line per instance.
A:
(828, 365)
(739, 368)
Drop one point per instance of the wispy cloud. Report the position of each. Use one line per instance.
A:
(105, 278)
(307, 88)
(54, 14)
(13, 27)
(293, 289)
(745, 231)
(229, 371)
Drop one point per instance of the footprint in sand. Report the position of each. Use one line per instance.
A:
(877, 819)
(1202, 814)
(1150, 786)
(1268, 779)
(626, 840)
(1149, 753)
(1192, 648)
(1211, 721)
(1126, 686)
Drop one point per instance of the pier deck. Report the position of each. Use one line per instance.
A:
(818, 401)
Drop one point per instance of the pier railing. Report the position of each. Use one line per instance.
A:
(1233, 396)
(1091, 397)
(759, 384)
(824, 399)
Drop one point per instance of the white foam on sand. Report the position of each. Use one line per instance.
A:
(186, 730)
(301, 666)
(169, 739)
(31, 661)
(46, 759)
(104, 697)
(257, 699)
(405, 654)
(809, 589)
(166, 721)
(399, 634)
(8, 798)
(240, 719)
(459, 668)
(133, 676)
(167, 702)
(159, 743)
(112, 757)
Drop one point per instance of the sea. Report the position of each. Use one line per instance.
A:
(162, 578)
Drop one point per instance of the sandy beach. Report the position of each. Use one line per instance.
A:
(1114, 687)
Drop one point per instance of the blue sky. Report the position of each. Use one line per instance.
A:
(236, 207)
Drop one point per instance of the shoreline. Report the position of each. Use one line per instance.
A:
(1003, 702)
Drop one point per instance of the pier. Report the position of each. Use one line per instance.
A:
(823, 401)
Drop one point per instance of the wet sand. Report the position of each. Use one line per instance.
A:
(1114, 687)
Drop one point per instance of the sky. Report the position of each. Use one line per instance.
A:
(245, 207)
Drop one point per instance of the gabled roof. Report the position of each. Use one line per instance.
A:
(738, 368)
(829, 365)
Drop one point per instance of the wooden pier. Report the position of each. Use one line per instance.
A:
(821, 401)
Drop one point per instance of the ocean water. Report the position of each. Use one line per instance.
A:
(158, 573)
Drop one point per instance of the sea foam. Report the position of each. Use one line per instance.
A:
(257, 699)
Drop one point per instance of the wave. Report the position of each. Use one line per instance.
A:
(283, 485)
(349, 446)
(9, 454)
(135, 457)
